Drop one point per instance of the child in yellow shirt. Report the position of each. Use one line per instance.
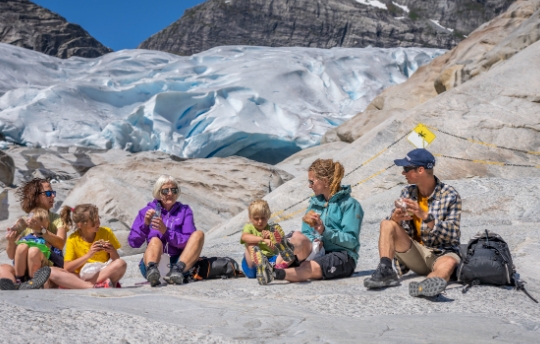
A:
(91, 244)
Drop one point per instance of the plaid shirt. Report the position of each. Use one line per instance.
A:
(445, 206)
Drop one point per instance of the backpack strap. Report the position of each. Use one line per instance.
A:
(520, 285)
(470, 285)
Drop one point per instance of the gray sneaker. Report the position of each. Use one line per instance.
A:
(383, 277)
(40, 278)
(152, 274)
(175, 275)
(7, 284)
(432, 286)
(265, 271)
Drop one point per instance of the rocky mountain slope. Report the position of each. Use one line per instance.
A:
(324, 24)
(27, 25)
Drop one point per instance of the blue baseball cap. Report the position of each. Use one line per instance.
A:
(419, 157)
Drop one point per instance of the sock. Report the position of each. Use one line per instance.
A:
(279, 274)
(19, 279)
(386, 262)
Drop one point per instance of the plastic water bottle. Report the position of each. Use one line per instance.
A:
(157, 214)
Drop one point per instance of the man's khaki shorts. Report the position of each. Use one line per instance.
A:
(421, 259)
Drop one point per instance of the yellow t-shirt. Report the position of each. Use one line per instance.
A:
(250, 229)
(423, 204)
(77, 247)
(55, 222)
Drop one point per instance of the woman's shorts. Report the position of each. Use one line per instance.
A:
(336, 265)
(252, 272)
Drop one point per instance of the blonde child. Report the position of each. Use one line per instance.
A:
(256, 237)
(90, 244)
(35, 247)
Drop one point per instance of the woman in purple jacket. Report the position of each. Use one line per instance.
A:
(168, 228)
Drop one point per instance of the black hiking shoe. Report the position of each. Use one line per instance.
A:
(383, 276)
(285, 248)
(40, 278)
(7, 284)
(265, 271)
(175, 275)
(432, 286)
(152, 274)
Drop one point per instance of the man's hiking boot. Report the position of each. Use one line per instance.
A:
(264, 269)
(175, 275)
(40, 278)
(152, 274)
(105, 284)
(7, 284)
(285, 248)
(384, 276)
(432, 286)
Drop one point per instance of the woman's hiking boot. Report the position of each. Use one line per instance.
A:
(152, 274)
(384, 276)
(175, 275)
(7, 284)
(40, 278)
(285, 248)
(264, 269)
(432, 286)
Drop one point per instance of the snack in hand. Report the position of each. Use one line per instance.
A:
(309, 220)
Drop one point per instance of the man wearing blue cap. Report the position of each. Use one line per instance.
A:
(422, 233)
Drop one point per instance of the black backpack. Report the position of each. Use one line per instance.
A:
(486, 259)
(216, 267)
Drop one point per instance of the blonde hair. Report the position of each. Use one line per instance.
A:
(332, 171)
(41, 215)
(259, 208)
(163, 179)
(80, 214)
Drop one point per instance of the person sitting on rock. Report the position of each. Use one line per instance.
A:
(422, 232)
(336, 219)
(36, 193)
(92, 244)
(168, 227)
(257, 234)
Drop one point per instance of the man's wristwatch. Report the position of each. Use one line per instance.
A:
(43, 230)
(429, 218)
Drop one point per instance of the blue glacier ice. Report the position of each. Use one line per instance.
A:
(258, 102)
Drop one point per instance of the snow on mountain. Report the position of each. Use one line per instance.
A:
(257, 102)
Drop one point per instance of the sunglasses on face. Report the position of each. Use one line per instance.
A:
(48, 193)
(407, 169)
(166, 191)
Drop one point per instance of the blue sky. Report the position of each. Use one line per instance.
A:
(120, 24)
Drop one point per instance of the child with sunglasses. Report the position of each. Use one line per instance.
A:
(168, 228)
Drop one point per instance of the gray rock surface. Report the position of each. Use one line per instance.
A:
(7, 169)
(27, 25)
(323, 24)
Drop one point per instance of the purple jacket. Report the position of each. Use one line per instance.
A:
(179, 223)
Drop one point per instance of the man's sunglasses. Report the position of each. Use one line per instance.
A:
(166, 191)
(407, 169)
(48, 193)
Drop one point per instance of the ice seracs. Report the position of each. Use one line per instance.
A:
(233, 100)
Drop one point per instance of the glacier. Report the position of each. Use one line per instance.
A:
(261, 103)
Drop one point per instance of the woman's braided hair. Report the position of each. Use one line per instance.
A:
(332, 171)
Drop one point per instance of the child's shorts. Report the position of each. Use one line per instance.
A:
(252, 272)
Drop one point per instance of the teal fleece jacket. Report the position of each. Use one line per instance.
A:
(342, 217)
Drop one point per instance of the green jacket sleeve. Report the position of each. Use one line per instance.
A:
(347, 236)
(306, 229)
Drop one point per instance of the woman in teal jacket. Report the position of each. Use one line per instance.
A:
(335, 220)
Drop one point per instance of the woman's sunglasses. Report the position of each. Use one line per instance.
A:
(166, 191)
(48, 193)
(407, 169)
